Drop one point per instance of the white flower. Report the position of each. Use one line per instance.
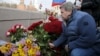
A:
(17, 26)
(22, 27)
(8, 33)
(34, 39)
(17, 43)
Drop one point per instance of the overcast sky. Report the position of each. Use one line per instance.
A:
(45, 3)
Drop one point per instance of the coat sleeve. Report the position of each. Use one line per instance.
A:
(87, 30)
(60, 39)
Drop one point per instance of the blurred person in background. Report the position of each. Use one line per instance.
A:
(78, 4)
(92, 7)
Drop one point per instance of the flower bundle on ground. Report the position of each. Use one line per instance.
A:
(17, 32)
(25, 47)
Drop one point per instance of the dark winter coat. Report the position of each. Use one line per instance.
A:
(92, 7)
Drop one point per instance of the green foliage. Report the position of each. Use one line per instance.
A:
(17, 36)
(43, 38)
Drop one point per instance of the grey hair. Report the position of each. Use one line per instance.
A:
(68, 6)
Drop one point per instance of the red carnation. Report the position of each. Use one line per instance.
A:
(12, 30)
(25, 30)
(52, 18)
(17, 26)
(53, 27)
(34, 25)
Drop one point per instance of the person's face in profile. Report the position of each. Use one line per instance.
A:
(65, 14)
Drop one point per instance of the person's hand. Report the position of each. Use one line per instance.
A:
(51, 45)
(66, 48)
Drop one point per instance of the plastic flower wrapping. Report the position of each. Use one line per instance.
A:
(25, 47)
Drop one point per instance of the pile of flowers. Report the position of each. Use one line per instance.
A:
(46, 32)
(17, 32)
(42, 32)
(25, 47)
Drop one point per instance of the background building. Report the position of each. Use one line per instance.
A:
(21, 5)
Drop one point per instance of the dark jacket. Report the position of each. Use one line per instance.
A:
(87, 6)
(79, 31)
(92, 7)
(96, 10)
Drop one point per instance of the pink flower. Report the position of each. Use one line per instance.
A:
(25, 49)
(22, 41)
(7, 34)
(38, 53)
(8, 53)
(13, 49)
(22, 27)
(17, 26)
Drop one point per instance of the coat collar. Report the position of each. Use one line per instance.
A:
(71, 17)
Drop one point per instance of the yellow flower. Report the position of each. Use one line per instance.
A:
(21, 52)
(28, 41)
(37, 47)
(3, 49)
(15, 53)
(8, 46)
(31, 52)
(20, 45)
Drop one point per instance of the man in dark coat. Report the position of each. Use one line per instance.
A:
(87, 6)
(79, 32)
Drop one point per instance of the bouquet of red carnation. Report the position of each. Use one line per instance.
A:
(17, 32)
(54, 27)
(34, 25)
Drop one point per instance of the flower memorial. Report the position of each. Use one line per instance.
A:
(34, 40)
(46, 32)
(17, 32)
(25, 47)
